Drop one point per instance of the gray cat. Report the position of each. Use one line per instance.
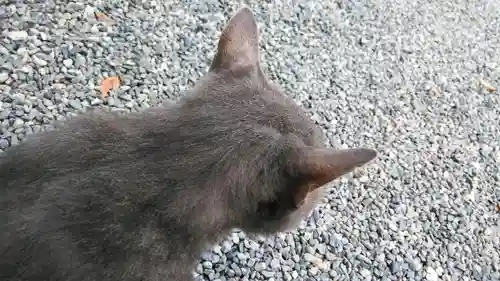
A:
(140, 196)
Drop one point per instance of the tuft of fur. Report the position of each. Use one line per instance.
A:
(139, 196)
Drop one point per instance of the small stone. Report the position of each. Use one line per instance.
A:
(207, 264)
(96, 101)
(395, 267)
(365, 272)
(36, 128)
(235, 238)
(275, 263)
(18, 123)
(260, 266)
(142, 97)
(3, 77)
(309, 257)
(131, 105)
(251, 262)
(38, 61)
(414, 264)
(267, 274)
(253, 246)
(364, 179)
(44, 36)
(241, 256)
(80, 60)
(20, 99)
(451, 249)
(313, 271)
(364, 259)
(226, 246)
(159, 49)
(68, 63)
(48, 103)
(113, 102)
(4, 144)
(4, 114)
(439, 270)
(321, 248)
(17, 35)
(75, 104)
(22, 51)
(431, 274)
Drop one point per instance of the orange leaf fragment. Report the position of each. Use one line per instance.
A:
(108, 84)
(487, 86)
(101, 17)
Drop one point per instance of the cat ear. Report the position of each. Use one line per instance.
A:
(238, 45)
(316, 167)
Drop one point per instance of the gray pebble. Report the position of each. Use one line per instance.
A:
(80, 60)
(39, 61)
(4, 143)
(4, 114)
(76, 104)
(260, 266)
(3, 77)
(395, 267)
(18, 123)
(415, 264)
(275, 264)
(267, 274)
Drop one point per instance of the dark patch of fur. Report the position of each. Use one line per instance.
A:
(139, 196)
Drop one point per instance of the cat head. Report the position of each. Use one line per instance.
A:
(289, 180)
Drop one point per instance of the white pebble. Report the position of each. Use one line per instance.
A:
(17, 35)
(431, 274)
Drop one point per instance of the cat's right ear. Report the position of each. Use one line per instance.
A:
(238, 45)
(315, 167)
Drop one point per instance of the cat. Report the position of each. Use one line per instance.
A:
(140, 196)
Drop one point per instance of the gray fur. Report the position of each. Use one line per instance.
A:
(139, 196)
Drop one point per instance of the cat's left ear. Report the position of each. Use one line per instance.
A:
(238, 45)
(315, 167)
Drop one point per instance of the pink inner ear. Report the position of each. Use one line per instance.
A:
(326, 164)
(324, 175)
(303, 191)
(301, 194)
(321, 166)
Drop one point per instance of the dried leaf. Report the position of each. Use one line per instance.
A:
(108, 84)
(102, 17)
(435, 91)
(498, 207)
(487, 86)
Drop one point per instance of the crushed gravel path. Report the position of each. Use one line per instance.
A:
(398, 75)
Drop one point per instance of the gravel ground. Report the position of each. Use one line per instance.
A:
(397, 75)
